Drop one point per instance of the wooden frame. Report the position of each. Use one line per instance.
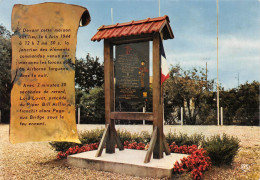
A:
(158, 143)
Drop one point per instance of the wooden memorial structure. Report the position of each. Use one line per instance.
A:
(151, 29)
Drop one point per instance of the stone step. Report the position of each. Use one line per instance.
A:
(128, 161)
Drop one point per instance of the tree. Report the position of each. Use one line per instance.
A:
(89, 78)
(230, 105)
(5, 73)
(241, 106)
(248, 97)
(93, 106)
(89, 73)
(191, 89)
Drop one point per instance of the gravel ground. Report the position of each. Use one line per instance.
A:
(37, 161)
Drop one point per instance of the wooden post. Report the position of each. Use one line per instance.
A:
(182, 116)
(109, 94)
(165, 146)
(102, 142)
(151, 146)
(144, 112)
(78, 115)
(221, 113)
(157, 98)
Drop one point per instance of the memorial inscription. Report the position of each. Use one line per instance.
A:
(41, 57)
(132, 76)
(43, 60)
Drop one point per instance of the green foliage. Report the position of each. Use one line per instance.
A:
(62, 146)
(191, 89)
(89, 78)
(143, 136)
(183, 139)
(221, 149)
(146, 137)
(5, 73)
(241, 105)
(138, 137)
(124, 135)
(89, 73)
(92, 106)
(92, 136)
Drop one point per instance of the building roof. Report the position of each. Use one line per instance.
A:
(134, 28)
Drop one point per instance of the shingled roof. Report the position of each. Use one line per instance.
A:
(134, 28)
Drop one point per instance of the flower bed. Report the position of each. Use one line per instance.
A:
(77, 149)
(134, 145)
(196, 163)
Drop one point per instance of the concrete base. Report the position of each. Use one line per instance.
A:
(130, 162)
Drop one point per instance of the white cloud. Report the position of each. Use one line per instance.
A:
(227, 43)
(191, 59)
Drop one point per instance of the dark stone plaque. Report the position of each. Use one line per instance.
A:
(132, 76)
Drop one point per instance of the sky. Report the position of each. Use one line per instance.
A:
(194, 24)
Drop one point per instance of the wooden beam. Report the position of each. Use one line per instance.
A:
(165, 146)
(118, 141)
(132, 39)
(109, 93)
(110, 143)
(132, 116)
(102, 142)
(157, 96)
(108, 79)
(151, 146)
